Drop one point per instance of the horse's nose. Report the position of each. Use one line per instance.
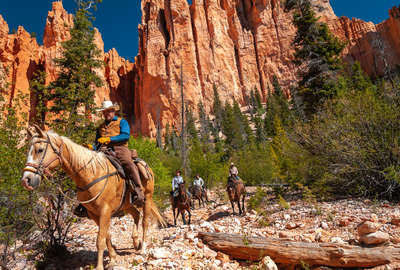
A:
(27, 183)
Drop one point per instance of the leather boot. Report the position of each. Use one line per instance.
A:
(138, 187)
(80, 211)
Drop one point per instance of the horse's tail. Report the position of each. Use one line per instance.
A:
(156, 213)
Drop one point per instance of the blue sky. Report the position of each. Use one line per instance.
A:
(117, 20)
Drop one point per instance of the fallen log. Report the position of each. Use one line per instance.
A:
(294, 253)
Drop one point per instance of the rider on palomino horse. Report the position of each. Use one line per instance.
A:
(113, 136)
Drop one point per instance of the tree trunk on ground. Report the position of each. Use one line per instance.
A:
(294, 253)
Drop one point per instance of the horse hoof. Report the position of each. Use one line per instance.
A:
(112, 267)
(137, 244)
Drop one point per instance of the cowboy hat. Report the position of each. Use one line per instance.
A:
(108, 105)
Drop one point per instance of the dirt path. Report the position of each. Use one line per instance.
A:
(179, 248)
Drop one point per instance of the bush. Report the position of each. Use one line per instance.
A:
(254, 164)
(355, 140)
(148, 151)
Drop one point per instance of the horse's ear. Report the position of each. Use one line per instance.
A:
(29, 133)
(39, 131)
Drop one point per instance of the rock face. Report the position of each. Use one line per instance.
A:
(236, 46)
(233, 45)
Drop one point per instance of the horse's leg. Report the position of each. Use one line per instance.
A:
(190, 214)
(135, 237)
(146, 215)
(244, 195)
(233, 207)
(111, 250)
(173, 211)
(183, 216)
(240, 208)
(104, 224)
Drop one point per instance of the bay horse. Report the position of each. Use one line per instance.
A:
(100, 189)
(182, 203)
(236, 192)
(198, 193)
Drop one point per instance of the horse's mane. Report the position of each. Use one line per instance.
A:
(80, 156)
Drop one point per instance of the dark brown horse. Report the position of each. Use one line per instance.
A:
(236, 191)
(182, 203)
(198, 193)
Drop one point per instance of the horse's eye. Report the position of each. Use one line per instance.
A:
(40, 150)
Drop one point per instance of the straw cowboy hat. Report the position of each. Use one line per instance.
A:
(108, 105)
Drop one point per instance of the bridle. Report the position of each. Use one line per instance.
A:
(43, 168)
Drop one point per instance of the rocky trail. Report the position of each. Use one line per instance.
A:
(180, 248)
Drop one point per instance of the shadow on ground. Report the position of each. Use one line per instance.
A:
(218, 215)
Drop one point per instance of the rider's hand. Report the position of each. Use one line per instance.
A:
(90, 146)
(104, 140)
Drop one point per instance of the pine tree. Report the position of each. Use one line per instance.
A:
(72, 94)
(41, 95)
(190, 124)
(217, 109)
(244, 133)
(228, 123)
(317, 51)
(204, 124)
(260, 133)
(258, 99)
(359, 81)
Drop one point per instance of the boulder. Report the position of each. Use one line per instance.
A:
(374, 238)
(367, 227)
(268, 264)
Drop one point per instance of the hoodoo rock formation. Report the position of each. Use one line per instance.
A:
(233, 45)
(21, 57)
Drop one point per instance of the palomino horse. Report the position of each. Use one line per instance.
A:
(100, 188)
(198, 193)
(236, 191)
(182, 202)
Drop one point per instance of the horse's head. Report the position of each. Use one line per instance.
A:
(181, 188)
(43, 156)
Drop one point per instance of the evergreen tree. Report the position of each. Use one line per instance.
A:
(244, 133)
(38, 87)
(228, 123)
(252, 103)
(359, 81)
(217, 109)
(190, 124)
(271, 111)
(72, 94)
(317, 51)
(260, 133)
(204, 124)
(258, 99)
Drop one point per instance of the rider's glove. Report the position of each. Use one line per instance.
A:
(90, 146)
(104, 140)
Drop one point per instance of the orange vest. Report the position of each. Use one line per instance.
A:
(110, 130)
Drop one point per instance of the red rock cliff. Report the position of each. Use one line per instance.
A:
(21, 56)
(234, 45)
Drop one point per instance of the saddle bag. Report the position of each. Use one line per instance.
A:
(143, 168)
